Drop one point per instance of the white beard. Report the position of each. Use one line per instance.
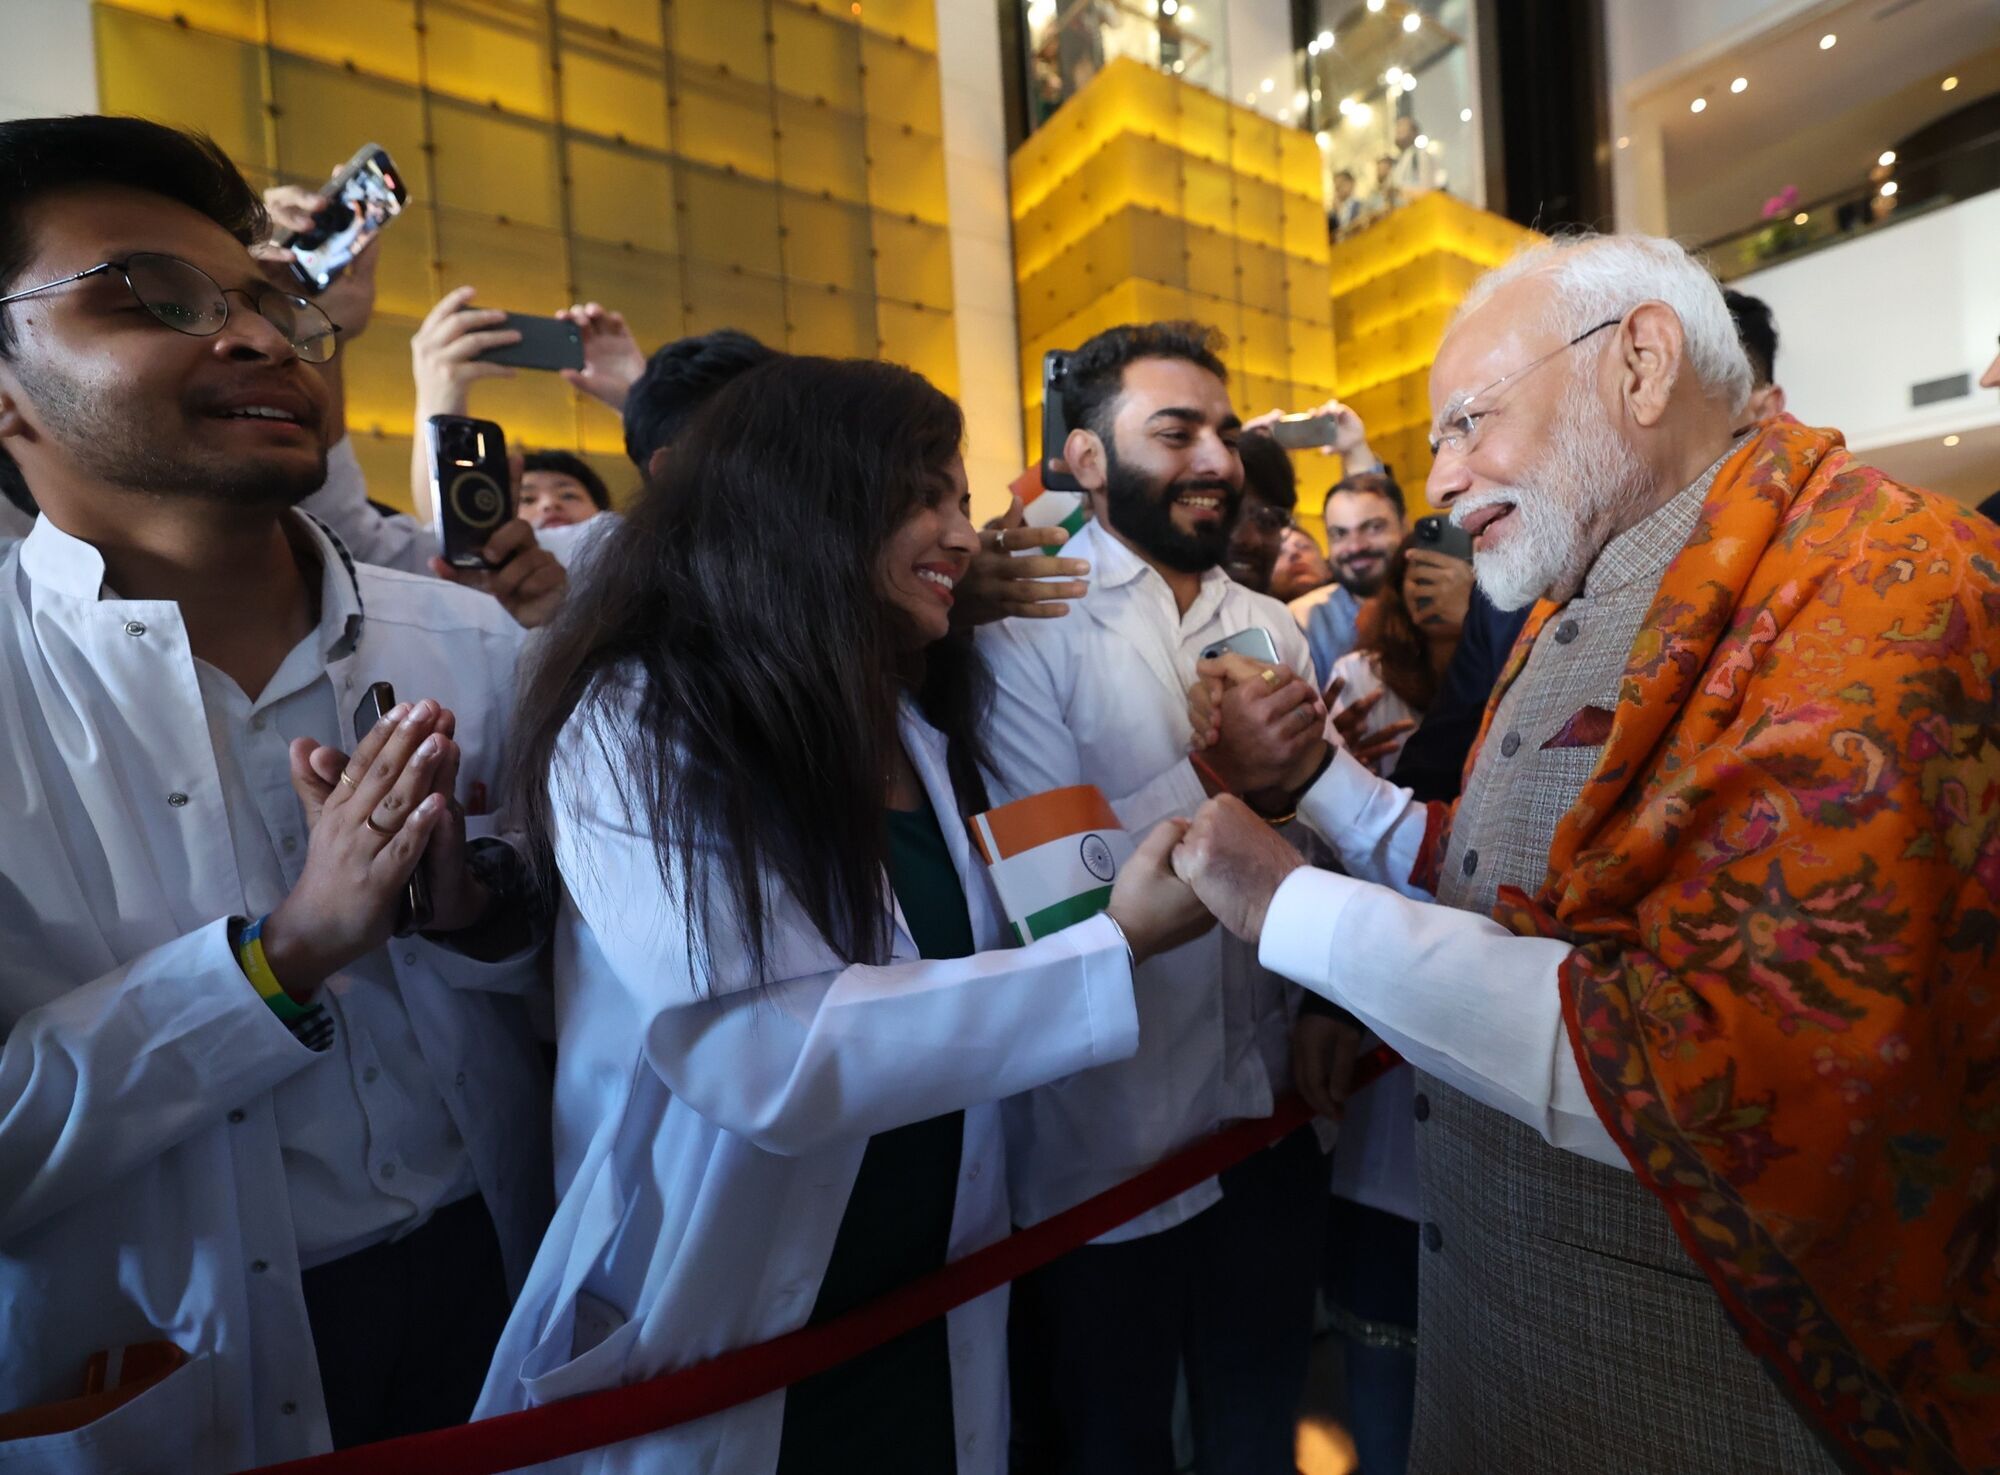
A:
(1565, 513)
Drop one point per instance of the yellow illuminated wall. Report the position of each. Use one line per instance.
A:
(769, 165)
(1145, 198)
(1394, 286)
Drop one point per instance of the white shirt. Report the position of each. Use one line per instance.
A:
(14, 523)
(397, 540)
(1363, 678)
(1456, 994)
(1415, 172)
(143, 1185)
(1100, 697)
(718, 1125)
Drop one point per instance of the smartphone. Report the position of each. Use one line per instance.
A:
(364, 195)
(1442, 535)
(546, 343)
(1296, 432)
(1256, 643)
(470, 494)
(1055, 424)
(415, 914)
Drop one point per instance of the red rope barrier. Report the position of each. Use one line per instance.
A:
(591, 1420)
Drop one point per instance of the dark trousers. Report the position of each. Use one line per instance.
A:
(1099, 1337)
(405, 1330)
(1371, 1287)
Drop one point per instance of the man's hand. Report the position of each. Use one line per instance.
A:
(1235, 863)
(444, 352)
(1002, 584)
(1350, 439)
(612, 358)
(1438, 590)
(370, 830)
(1351, 729)
(1323, 1054)
(1262, 727)
(525, 577)
(350, 299)
(1155, 908)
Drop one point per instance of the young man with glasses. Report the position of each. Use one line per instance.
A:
(273, 1127)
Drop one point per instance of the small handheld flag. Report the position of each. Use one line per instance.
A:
(1046, 509)
(1053, 857)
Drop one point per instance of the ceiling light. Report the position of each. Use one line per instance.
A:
(1465, 115)
(1886, 158)
(1409, 83)
(1187, 15)
(1826, 41)
(1267, 85)
(1323, 139)
(1739, 84)
(1326, 40)
(1299, 98)
(1951, 440)
(1312, 48)
(1889, 189)
(1362, 113)
(1413, 22)
(1423, 141)
(1179, 66)
(1624, 141)
(1801, 218)
(1346, 106)
(1698, 105)
(1948, 83)
(1393, 76)
(1168, 7)
(1316, 94)
(1376, 5)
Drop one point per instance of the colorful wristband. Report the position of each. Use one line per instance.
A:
(257, 968)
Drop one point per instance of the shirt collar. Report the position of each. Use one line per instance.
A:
(68, 565)
(1644, 550)
(1113, 564)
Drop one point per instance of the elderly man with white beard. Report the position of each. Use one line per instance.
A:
(1709, 1055)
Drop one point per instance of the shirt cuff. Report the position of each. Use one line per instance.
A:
(1304, 915)
(1375, 827)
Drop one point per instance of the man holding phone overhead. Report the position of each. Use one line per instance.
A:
(253, 1152)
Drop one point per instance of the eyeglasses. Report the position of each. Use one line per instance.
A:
(188, 300)
(1266, 517)
(1457, 430)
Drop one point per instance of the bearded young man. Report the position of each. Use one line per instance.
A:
(1706, 1021)
(1220, 1279)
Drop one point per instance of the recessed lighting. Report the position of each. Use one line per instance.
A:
(1739, 84)
(1951, 440)
(1323, 139)
(1362, 112)
(1312, 48)
(1465, 115)
(1346, 106)
(1624, 142)
(1299, 98)
(1179, 66)
(1698, 105)
(1886, 158)
(1413, 22)
(1267, 85)
(1168, 7)
(1826, 41)
(1948, 83)
(1326, 40)
(1423, 141)
(1889, 189)
(1316, 94)
(1801, 218)
(1393, 76)
(1376, 5)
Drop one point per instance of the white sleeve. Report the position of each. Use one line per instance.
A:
(110, 1074)
(1454, 993)
(1030, 749)
(1374, 827)
(823, 1051)
(387, 540)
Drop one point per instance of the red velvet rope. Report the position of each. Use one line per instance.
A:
(591, 1420)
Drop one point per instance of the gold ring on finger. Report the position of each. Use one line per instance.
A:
(349, 779)
(1270, 677)
(369, 820)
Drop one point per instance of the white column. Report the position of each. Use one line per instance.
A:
(48, 58)
(982, 247)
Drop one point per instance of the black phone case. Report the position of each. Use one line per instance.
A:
(1055, 426)
(546, 343)
(473, 499)
(415, 913)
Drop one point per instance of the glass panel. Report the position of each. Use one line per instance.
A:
(536, 410)
(613, 99)
(826, 243)
(906, 173)
(731, 38)
(233, 18)
(822, 152)
(325, 114)
(488, 60)
(185, 77)
(381, 396)
(828, 321)
(385, 465)
(914, 21)
(618, 195)
(637, 19)
(515, 267)
(913, 262)
(900, 84)
(377, 36)
(924, 340)
(720, 298)
(406, 273)
(724, 122)
(494, 165)
(643, 285)
(731, 222)
(816, 57)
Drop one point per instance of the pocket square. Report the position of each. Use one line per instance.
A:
(1587, 729)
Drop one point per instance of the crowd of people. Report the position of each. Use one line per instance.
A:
(432, 993)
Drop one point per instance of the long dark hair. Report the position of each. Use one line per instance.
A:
(740, 598)
(1390, 634)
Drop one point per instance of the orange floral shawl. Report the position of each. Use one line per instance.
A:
(1783, 883)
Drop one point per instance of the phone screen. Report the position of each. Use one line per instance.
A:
(366, 195)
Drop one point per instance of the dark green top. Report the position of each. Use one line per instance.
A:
(889, 1410)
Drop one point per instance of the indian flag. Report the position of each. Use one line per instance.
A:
(1045, 509)
(1052, 857)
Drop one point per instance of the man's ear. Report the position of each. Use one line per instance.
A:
(1651, 345)
(656, 463)
(1083, 453)
(13, 417)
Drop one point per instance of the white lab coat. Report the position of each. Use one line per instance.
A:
(142, 1194)
(712, 1129)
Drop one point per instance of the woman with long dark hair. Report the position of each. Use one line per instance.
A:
(748, 751)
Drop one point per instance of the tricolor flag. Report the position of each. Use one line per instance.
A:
(1045, 509)
(1052, 857)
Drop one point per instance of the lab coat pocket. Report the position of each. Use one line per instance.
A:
(166, 1430)
(584, 1348)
